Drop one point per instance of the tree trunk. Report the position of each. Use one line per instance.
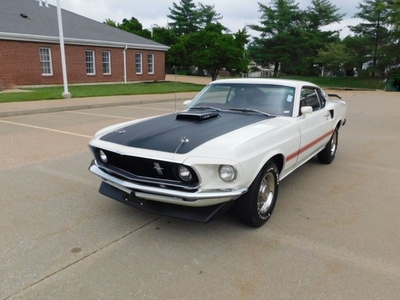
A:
(214, 74)
(276, 69)
(377, 37)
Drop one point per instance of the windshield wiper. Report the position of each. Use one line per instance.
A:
(252, 110)
(205, 107)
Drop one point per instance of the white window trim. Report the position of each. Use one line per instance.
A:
(50, 61)
(93, 62)
(108, 62)
(141, 63)
(152, 63)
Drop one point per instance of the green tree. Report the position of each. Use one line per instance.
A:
(164, 36)
(207, 15)
(214, 50)
(319, 14)
(135, 27)
(394, 14)
(322, 13)
(177, 55)
(393, 50)
(375, 14)
(357, 47)
(185, 17)
(110, 22)
(335, 57)
(290, 38)
(211, 49)
(280, 34)
(241, 61)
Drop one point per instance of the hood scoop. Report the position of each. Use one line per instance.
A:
(197, 116)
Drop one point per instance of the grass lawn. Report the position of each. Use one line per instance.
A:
(80, 91)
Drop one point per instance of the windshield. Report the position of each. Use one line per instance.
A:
(271, 99)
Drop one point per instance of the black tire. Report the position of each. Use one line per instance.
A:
(327, 155)
(256, 206)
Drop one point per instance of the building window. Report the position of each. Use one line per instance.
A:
(90, 65)
(45, 61)
(150, 62)
(138, 62)
(107, 62)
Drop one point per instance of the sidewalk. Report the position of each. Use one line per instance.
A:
(46, 106)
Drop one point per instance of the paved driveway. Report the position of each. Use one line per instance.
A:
(334, 233)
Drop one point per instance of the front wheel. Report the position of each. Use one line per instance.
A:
(327, 155)
(256, 206)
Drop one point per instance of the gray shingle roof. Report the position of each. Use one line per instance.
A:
(41, 25)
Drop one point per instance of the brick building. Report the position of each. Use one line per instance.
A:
(95, 52)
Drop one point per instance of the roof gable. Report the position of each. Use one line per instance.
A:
(26, 20)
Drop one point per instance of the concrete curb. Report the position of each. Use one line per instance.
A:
(74, 107)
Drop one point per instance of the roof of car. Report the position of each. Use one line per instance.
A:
(273, 81)
(26, 20)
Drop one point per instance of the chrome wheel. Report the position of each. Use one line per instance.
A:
(327, 155)
(256, 206)
(334, 143)
(266, 193)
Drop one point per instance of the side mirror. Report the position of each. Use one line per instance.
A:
(187, 102)
(305, 110)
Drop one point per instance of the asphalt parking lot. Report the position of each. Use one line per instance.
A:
(334, 233)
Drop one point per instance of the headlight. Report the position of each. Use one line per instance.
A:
(227, 173)
(103, 156)
(184, 173)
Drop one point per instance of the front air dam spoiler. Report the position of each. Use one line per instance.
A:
(199, 214)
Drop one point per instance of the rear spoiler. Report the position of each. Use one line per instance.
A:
(335, 96)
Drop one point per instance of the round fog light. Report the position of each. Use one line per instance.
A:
(227, 173)
(103, 156)
(184, 173)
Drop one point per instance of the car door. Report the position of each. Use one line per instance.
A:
(315, 128)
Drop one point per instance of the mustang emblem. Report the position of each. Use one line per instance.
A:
(158, 169)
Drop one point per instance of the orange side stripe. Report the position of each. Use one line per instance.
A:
(308, 146)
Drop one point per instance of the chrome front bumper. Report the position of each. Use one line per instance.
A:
(196, 199)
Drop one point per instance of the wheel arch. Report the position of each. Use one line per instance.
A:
(278, 159)
(340, 123)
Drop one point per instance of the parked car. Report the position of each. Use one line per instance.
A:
(231, 146)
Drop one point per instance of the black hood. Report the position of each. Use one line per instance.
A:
(180, 132)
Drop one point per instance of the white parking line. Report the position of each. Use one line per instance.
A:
(99, 115)
(47, 129)
(150, 108)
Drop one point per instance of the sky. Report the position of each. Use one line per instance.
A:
(236, 13)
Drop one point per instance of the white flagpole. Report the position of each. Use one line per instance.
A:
(66, 94)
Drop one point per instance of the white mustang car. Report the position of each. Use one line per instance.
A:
(232, 145)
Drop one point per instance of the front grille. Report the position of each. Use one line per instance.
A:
(143, 169)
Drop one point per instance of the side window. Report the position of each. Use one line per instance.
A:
(106, 57)
(90, 65)
(45, 61)
(138, 63)
(150, 63)
(310, 97)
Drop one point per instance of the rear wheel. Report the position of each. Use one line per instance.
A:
(327, 155)
(256, 206)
